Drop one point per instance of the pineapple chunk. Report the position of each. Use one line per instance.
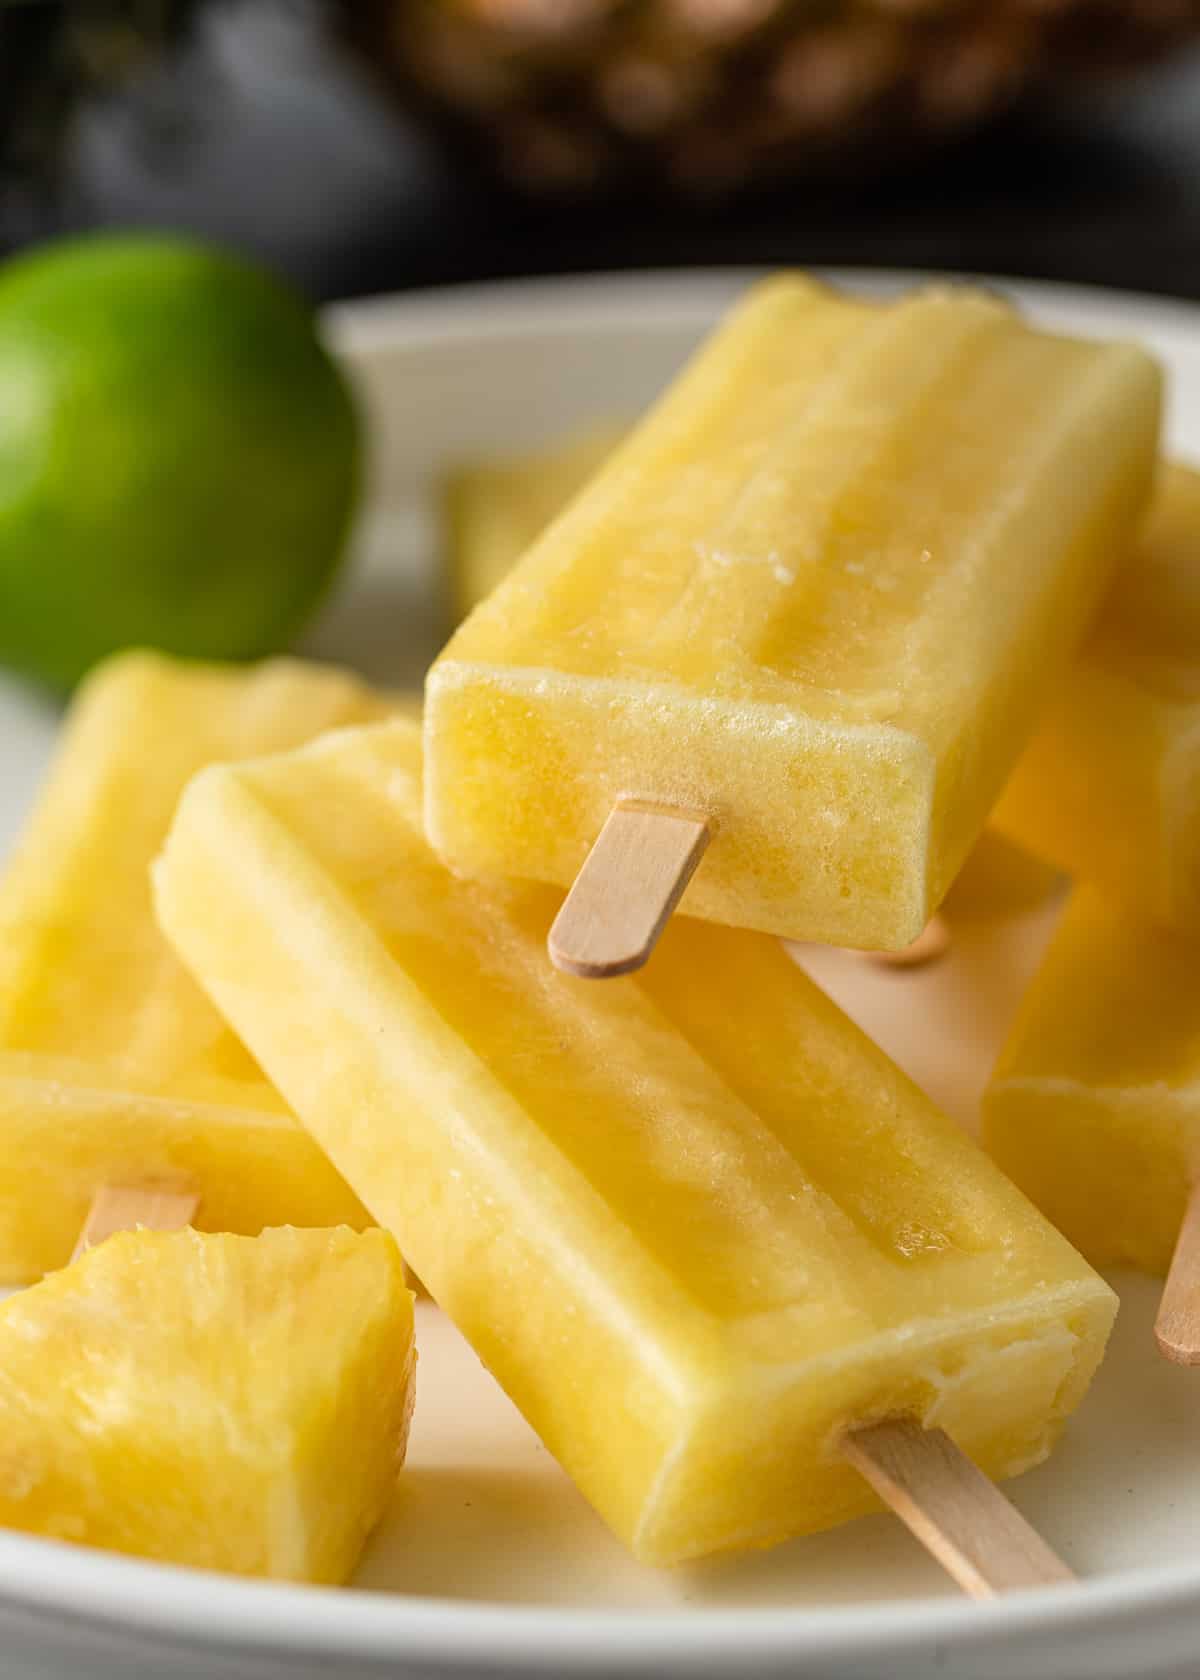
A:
(227, 1402)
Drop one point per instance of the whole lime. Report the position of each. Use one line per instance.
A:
(178, 456)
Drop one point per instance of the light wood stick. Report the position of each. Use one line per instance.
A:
(1177, 1327)
(630, 882)
(930, 944)
(119, 1207)
(959, 1516)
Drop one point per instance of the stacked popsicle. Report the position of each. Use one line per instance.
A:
(1093, 1105)
(793, 637)
(116, 1072)
(720, 1252)
(126, 1101)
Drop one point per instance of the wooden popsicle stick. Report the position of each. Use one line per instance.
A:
(630, 882)
(931, 943)
(120, 1207)
(961, 1518)
(1177, 1327)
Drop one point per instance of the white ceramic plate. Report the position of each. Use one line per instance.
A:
(491, 1564)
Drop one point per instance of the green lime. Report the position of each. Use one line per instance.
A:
(178, 456)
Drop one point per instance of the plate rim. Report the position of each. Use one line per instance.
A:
(50, 1580)
(121, 1595)
(497, 309)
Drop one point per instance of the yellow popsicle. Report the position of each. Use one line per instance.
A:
(235, 1403)
(1094, 1108)
(495, 509)
(695, 1223)
(817, 598)
(1110, 788)
(113, 1065)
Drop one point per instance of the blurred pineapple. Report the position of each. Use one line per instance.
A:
(707, 95)
(702, 96)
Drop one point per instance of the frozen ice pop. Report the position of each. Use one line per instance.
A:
(114, 1067)
(1110, 787)
(224, 1402)
(1094, 1107)
(808, 613)
(495, 509)
(696, 1224)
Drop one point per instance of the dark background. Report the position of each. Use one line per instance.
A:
(261, 136)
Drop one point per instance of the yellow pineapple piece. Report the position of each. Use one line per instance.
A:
(114, 1067)
(495, 509)
(225, 1402)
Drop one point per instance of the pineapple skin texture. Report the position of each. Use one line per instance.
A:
(1094, 1107)
(114, 1066)
(221, 1402)
(819, 595)
(1109, 789)
(693, 1221)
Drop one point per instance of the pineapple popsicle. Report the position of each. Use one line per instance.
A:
(1110, 787)
(695, 1223)
(810, 609)
(223, 1402)
(114, 1067)
(1094, 1107)
(495, 509)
